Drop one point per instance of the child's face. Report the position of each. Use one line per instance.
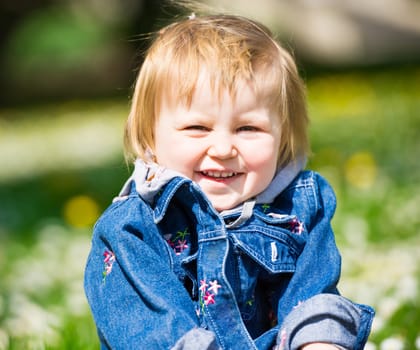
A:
(228, 147)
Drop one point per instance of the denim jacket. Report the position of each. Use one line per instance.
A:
(167, 271)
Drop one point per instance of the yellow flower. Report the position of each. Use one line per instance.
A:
(81, 211)
(361, 170)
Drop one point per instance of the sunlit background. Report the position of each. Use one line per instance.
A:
(66, 72)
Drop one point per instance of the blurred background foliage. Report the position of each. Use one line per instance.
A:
(66, 73)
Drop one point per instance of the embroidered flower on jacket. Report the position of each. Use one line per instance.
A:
(265, 207)
(171, 244)
(109, 259)
(203, 286)
(208, 298)
(182, 245)
(296, 226)
(214, 286)
(178, 241)
(208, 295)
(182, 234)
(249, 302)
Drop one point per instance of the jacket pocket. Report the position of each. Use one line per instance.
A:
(274, 247)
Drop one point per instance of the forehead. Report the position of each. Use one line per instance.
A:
(208, 87)
(209, 94)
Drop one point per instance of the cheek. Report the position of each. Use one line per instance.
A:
(263, 157)
(164, 149)
(176, 154)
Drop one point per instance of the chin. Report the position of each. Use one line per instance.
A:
(225, 206)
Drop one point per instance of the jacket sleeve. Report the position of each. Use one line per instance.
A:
(332, 318)
(136, 300)
(318, 266)
(317, 273)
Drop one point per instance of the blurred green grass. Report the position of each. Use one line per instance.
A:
(63, 163)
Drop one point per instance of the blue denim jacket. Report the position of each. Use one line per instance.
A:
(167, 271)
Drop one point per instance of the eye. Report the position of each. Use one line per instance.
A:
(196, 128)
(248, 128)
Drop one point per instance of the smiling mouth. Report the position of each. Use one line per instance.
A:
(219, 174)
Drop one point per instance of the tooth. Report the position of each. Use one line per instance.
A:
(219, 174)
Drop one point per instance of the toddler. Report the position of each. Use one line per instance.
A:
(220, 239)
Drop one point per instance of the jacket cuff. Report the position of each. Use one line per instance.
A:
(197, 338)
(326, 318)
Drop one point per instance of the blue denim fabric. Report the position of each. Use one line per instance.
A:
(197, 338)
(163, 270)
(343, 328)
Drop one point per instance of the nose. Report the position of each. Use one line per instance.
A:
(222, 147)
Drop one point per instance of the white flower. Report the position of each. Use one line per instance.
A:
(392, 343)
(4, 340)
(28, 319)
(418, 343)
(370, 346)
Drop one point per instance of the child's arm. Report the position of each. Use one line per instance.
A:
(136, 300)
(311, 303)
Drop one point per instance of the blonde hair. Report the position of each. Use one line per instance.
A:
(230, 49)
